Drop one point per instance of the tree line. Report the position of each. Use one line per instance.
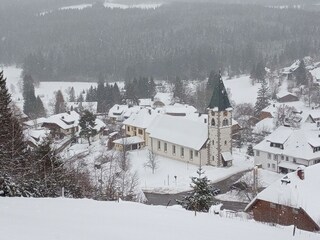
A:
(186, 40)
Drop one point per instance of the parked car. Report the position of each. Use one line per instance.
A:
(215, 191)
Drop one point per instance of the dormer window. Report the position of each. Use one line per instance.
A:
(316, 149)
(276, 145)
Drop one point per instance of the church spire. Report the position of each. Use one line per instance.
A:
(219, 97)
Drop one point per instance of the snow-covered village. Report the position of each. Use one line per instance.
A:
(110, 138)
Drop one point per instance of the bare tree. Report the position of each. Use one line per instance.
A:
(285, 115)
(152, 161)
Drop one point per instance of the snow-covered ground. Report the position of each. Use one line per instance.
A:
(53, 219)
(108, 4)
(78, 7)
(242, 91)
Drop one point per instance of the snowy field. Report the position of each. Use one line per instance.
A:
(70, 219)
(46, 90)
(163, 180)
(242, 91)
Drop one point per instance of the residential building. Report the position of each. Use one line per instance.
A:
(292, 200)
(287, 148)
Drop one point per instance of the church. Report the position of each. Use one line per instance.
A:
(205, 142)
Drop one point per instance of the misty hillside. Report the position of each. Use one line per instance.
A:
(177, 39)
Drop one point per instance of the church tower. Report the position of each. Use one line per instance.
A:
(219, 127)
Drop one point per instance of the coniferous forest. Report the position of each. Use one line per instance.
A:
(176, 39)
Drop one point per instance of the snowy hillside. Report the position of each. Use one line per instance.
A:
(52, 219)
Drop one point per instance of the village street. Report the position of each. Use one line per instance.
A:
(224, 185)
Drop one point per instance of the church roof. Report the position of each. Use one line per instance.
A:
(219, 97)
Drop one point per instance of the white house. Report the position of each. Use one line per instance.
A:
(286, 148)
(314, 117)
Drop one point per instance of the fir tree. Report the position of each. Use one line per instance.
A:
(200, 199)
(262, 99)
(39, 108)
(72, 95)
(179, 90)
(12, 145)
(29, 97)
(87, 124)
(60, 105)
(101, 96)
(250, 150)
(301, 74)
(116, 94)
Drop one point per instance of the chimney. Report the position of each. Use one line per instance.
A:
(300, 173)
(117, 107)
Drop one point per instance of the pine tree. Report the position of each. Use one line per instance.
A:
(87, 124)
(12, 145)
(116, 94)
(29, 97)
(250, 150)
(262, 99)
(301, 74)
(179, 90)
(101, 96)
(200, 199)
(60, 105)
(72, 95)
(39, 108)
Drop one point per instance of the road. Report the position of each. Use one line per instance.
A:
(224, 185)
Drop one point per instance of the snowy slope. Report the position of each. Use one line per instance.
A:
(67, 219)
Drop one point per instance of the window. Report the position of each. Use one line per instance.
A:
(273, 166)
(225, 122)
(212, 113)
(191, 155)
(294, 160)
(205, 120)
(128, 128)
(212, 142)
(165, 147)
(225, 142)
(213, 122)
(268, 165)
(269, 155)
(196, 153)
(159, 145)
(257, 153)
(275, 157)
(174, 150)
(182, 152)
(140, 132)
(282, 157)
(287, 158)
(212, 158)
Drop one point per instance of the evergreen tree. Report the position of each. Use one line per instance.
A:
(87, 124)
(200, 199)
(250, 150)
(12, 145)
(72, 95)
(60, 105)
(39, 108)
(179, 90)
(116, 94)
(301, 75)
(29, 97)
(101, 96)
(262, 99)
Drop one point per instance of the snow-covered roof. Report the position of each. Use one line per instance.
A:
(117, 110)
(180, 131)
(64, 120)
(265, 125)
(285, 93)
(165, 98)
(297, 143)
(178, 108)
(315, 114)
(91, 106)
(197, 117)
(32, 123)
(141, 119)
(99, 124)
(129, 140)
(131, 110)
(291, 68)
(296, 193)
(145, 102)
(227, 156)
(36, 136)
